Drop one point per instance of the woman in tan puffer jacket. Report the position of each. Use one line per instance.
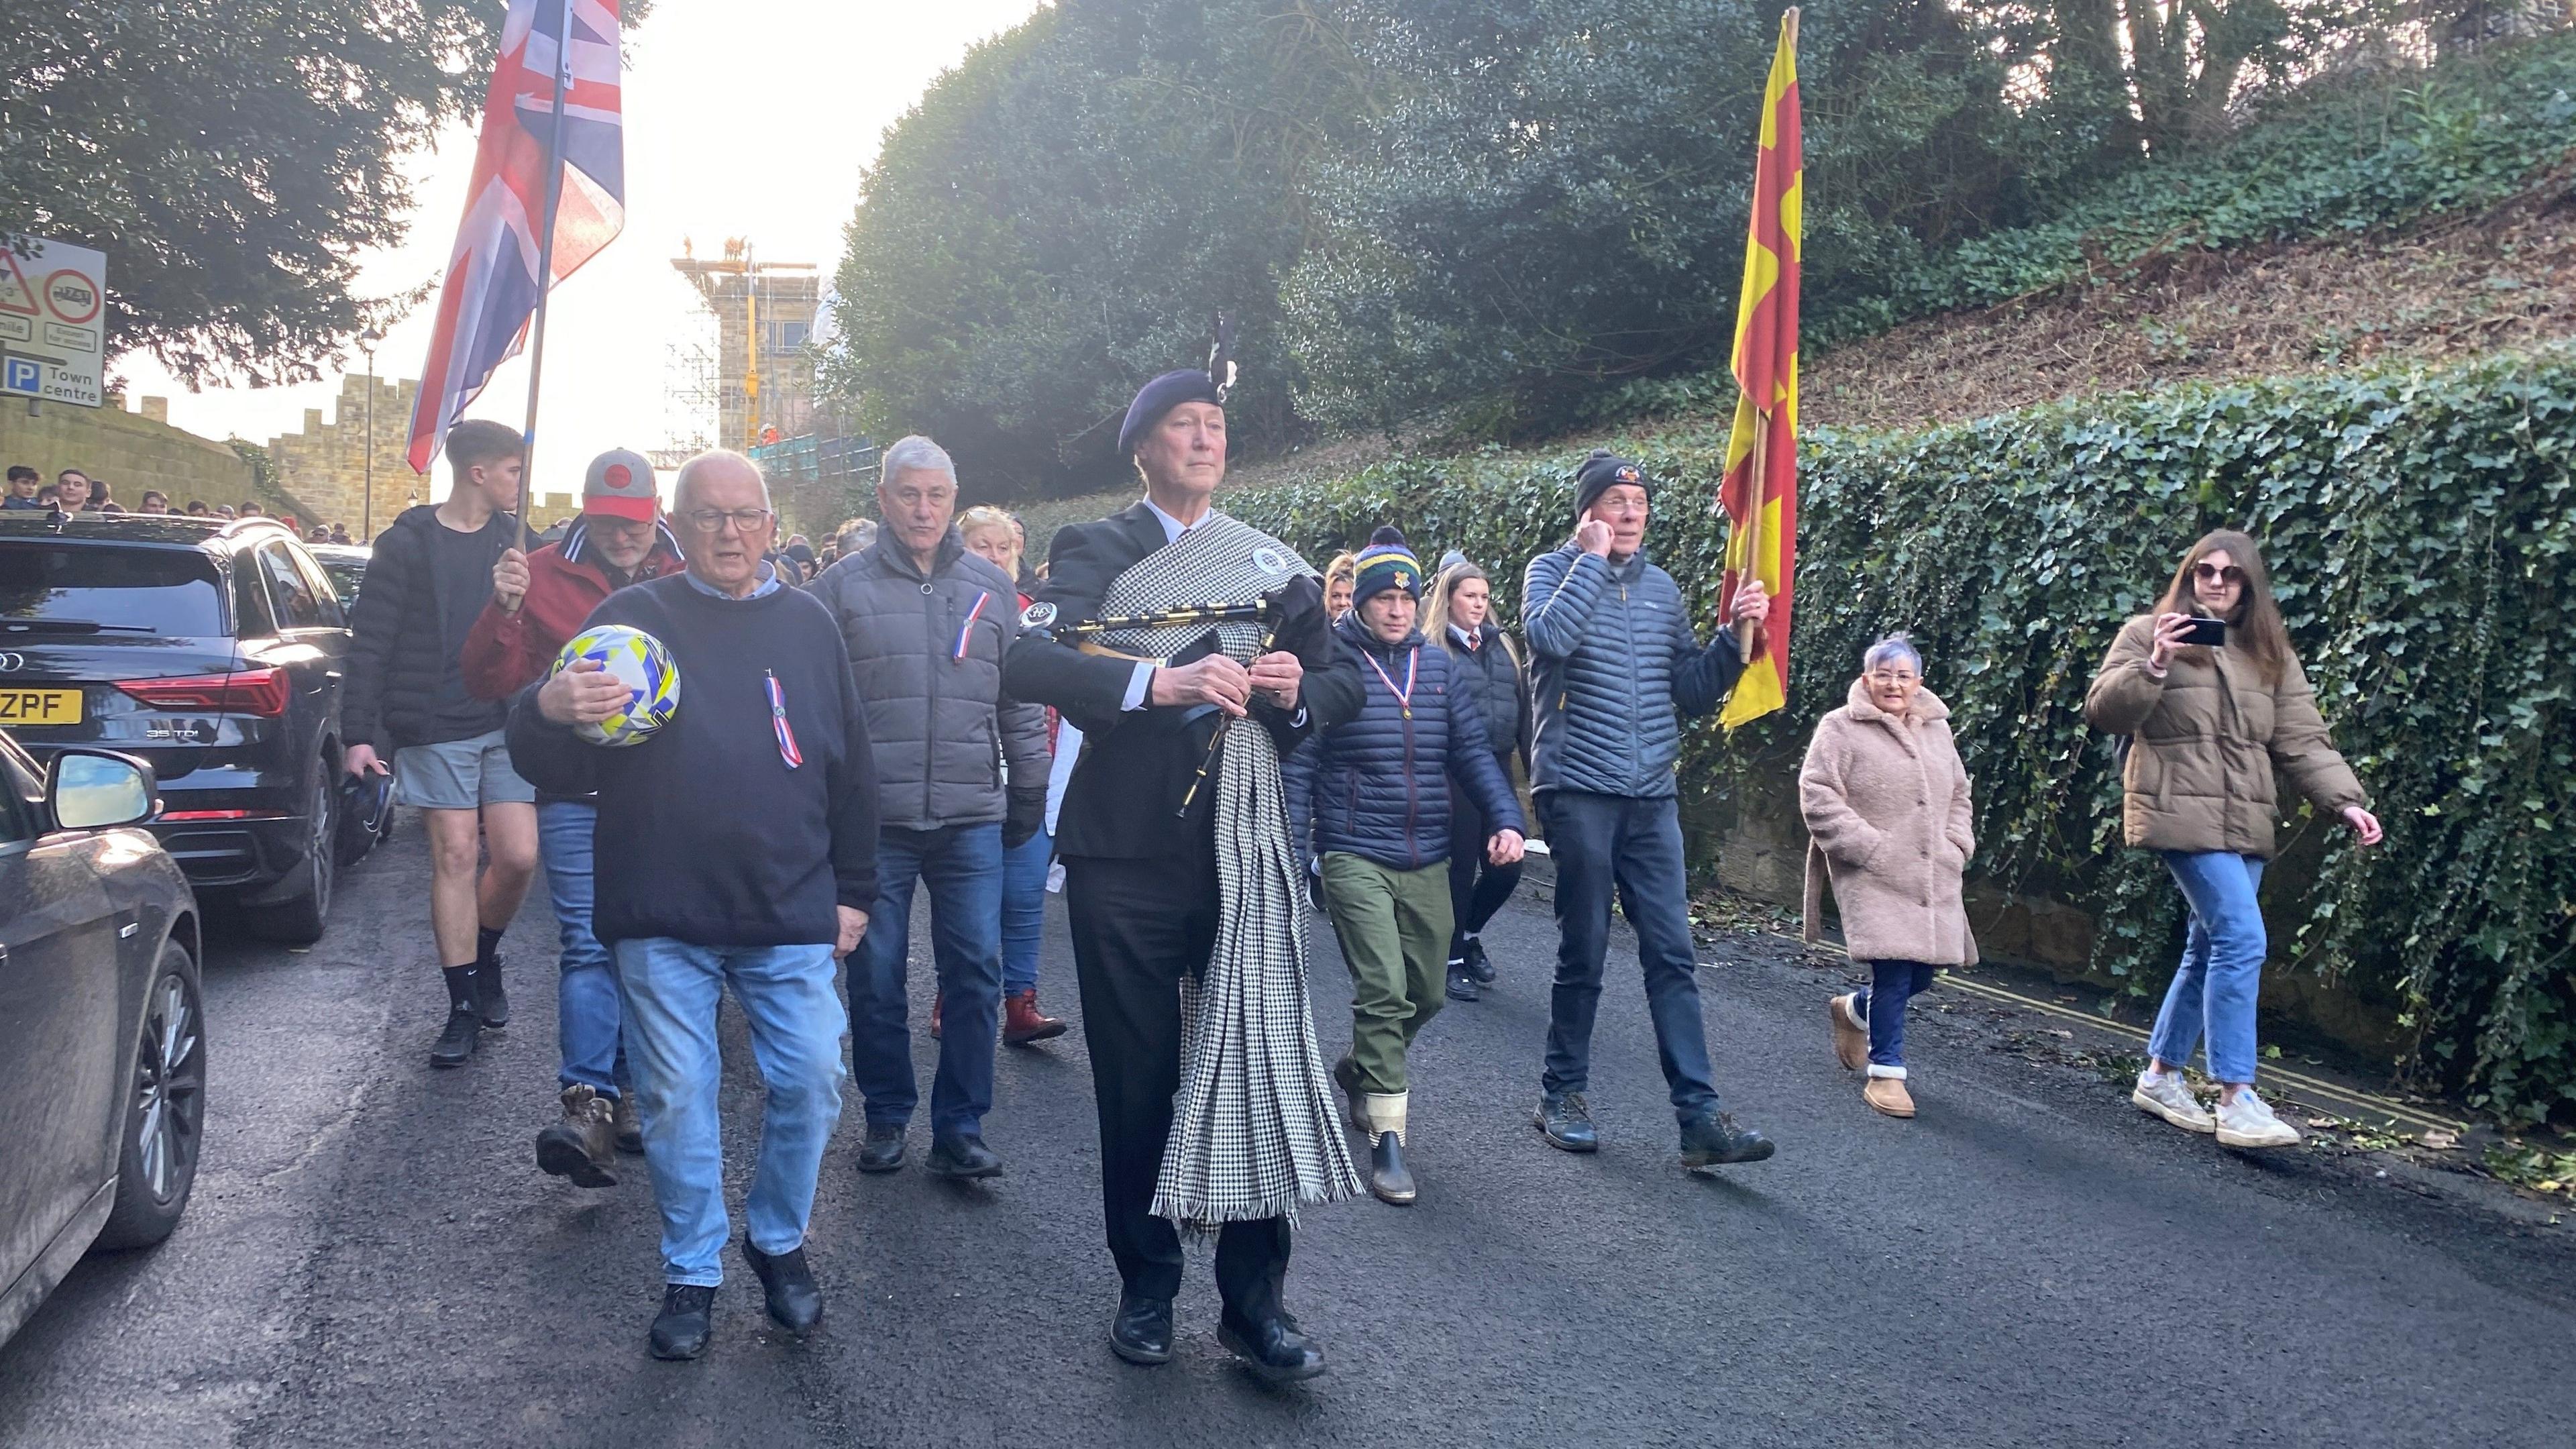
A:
(2210, 729)
(1888, 819)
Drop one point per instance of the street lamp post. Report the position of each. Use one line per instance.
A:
(367, 341)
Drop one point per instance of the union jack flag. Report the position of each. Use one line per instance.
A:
(492, 285)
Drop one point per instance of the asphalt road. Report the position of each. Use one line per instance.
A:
(372, 1259)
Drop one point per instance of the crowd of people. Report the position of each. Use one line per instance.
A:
(75, 490)
(1201, 741)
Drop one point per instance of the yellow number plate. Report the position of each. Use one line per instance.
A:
(40, 706)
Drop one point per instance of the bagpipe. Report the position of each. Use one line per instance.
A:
(1269, 611)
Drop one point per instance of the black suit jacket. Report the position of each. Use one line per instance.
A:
(1124, 800)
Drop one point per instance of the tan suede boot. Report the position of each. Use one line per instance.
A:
(1888, 1095)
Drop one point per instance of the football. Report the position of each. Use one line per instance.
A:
(641, 663)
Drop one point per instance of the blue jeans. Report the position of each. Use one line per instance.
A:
(1630, 848)
(671, 990)
(586, 1008)
(1882, 1005)
(1024, 875)
(2213, 990)
(963, 864)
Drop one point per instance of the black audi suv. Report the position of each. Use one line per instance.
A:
(214, 651)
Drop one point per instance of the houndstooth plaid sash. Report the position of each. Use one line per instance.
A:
(1254, 1133)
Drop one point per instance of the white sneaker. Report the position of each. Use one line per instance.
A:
(2170, 1099)
(2248, 1122)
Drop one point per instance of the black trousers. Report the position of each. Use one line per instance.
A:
(1477, 886)
(1138, 927)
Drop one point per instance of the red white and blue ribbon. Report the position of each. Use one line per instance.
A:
(787, 750)
(1404, 696)
(968, 631)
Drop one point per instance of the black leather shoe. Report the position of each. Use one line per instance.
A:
(688, 1312)
(456, 1044)
(794, 1299)
(1477, 965)
(1276, 1353)
(961, 1157)
(1567, 1122)
(1462, 987)
(1708, 1141)
(1142, 1331)
(490, 997)
(883, 1151)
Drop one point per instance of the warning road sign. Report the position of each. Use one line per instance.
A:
(52, 336)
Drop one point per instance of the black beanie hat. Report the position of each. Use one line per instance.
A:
(1599, 473)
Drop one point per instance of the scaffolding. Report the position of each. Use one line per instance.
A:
(763, 316)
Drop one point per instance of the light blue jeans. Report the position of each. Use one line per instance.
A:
(2222, 964)
(671, 990)
(586, 1006)
(1024, 875)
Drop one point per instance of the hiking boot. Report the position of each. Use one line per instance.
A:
(490, 997)
(961, 1156)
(1888, 1095)
(795, 1300)
(2169, 1097)
(1851, 1034)
(1462, 986)
(583, 1146)
(458, 1042)
(2248, 1122)
(630, 1127)
(688, 1313)
(1715, 1139)
(1477, 965)
(883, 1149)
(1567, 1121)
(1346, 1075)
(1023, 1023)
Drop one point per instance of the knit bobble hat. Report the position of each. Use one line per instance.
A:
(1601, 472)
(1387, 563)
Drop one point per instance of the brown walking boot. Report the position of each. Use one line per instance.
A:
(1023, 1023)
(583, 1146)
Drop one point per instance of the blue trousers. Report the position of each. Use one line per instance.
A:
(671, 990)
(1882, 1005)
(586, 1006)
(1024, 877)
(962, 864)
(1630, 848)
(2214, 989)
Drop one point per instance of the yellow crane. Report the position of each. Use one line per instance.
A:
(713, 280)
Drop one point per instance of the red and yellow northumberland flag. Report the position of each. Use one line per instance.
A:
(1760, 493)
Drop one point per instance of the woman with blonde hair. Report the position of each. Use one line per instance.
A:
(1889, 824)
(1341, 580)
(2215, 706)
(1459, 618)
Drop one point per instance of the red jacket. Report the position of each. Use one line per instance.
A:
(507, 652)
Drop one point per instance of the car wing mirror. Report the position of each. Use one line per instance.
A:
(98, 790)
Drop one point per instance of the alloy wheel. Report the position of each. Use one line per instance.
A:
(170, 1081)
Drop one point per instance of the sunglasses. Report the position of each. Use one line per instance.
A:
(2212, 573)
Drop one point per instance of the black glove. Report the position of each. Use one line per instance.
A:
(1020, 821)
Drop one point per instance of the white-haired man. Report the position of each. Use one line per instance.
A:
(737, 846)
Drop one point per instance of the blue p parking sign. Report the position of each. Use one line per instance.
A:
(21, 375)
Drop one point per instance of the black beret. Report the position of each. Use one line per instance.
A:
(1154, 399)
(1602, 471)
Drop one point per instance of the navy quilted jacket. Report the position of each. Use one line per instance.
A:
(1378, 787)
(1612, 654)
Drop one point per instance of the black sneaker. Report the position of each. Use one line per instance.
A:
(688, 1314)
(457, 1043)
(795, 1300)
(490, 997)
(1462, 987)
(1567, 1121)
(1477, 965)
(1715, 1139)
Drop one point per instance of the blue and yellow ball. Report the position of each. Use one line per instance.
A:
(641, 663)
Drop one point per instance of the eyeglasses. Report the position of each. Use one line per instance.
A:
(1889, 676)
(744, 520)
(2211, 573)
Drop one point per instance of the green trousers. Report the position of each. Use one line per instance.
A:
(1394, 929)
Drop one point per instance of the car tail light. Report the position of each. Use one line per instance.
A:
(247, 691)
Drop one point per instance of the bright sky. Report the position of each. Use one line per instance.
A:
(749, 118)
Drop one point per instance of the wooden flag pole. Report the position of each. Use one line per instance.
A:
(545, 278)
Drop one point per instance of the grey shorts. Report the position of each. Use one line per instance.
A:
(462, 774)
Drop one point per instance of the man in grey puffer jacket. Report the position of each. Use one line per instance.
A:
(1612, 654)
(927, 624)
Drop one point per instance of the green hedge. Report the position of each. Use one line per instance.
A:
(2422, 526)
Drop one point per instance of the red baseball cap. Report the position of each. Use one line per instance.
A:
(620, 484)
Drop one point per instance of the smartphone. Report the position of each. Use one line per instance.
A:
(2212, 632)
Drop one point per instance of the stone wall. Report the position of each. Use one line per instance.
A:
(322, 468)
(133, 451)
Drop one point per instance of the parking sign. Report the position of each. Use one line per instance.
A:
(53, 324)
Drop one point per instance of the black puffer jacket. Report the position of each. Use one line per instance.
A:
(1378, 787)
(1491, 673)
(399, 652)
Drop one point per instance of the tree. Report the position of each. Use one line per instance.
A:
(234, 158)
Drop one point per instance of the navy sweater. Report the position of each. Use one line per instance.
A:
(706, 835)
